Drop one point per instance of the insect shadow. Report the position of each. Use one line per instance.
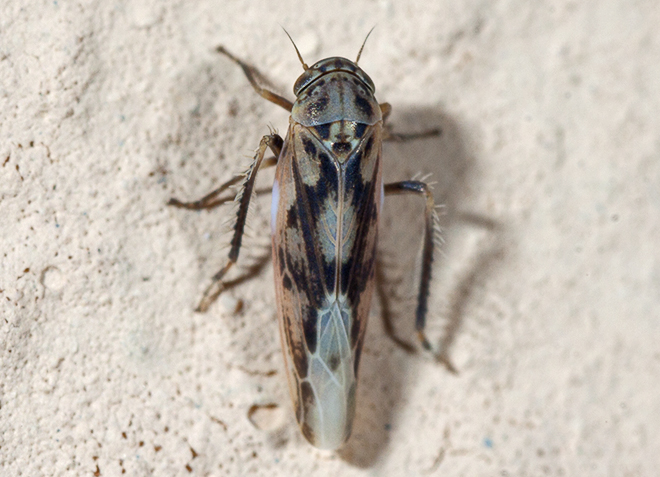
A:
(384, 372)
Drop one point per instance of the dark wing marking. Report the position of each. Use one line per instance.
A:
(326, 217)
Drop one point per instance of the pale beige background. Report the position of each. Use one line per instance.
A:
(547, 292)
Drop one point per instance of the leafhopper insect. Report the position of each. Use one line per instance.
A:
(326, 202)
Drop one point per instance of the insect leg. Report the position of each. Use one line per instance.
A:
(420, 188)
(274, 142)
(209, 201)
(384, 298)
(251, 74)
(386, 110)
(402, 137)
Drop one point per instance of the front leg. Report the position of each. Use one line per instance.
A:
(386, 110)
(251, 73)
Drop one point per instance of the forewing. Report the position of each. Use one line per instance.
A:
(324, 235)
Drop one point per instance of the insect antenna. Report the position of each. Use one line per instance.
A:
(304, 65)
(363, 43)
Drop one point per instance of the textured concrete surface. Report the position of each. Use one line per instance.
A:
(546, 300)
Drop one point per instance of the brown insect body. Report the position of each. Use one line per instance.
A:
(326, 203)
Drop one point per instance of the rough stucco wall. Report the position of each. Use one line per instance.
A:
(547, 293)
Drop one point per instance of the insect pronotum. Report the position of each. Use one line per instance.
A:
(326, 202)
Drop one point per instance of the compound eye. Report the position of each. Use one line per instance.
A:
(304, 80)
(366, 80)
